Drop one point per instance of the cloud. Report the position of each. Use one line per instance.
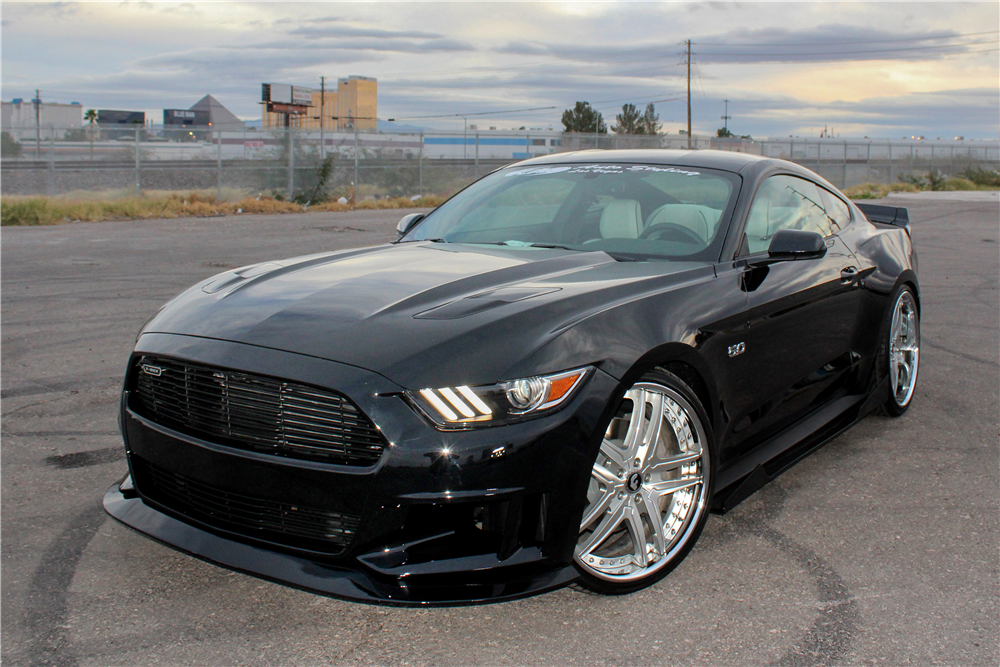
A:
(310, 32)
(213, 62)
(521, 48)
(322, 19)
(824, 43)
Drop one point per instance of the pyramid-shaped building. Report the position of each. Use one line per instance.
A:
(219, 116)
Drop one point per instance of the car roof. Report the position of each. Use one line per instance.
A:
(708, 159)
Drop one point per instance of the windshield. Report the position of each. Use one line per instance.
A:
(623, 209)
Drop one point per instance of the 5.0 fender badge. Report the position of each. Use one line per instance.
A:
(738, 349)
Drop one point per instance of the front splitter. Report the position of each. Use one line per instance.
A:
(322, 578)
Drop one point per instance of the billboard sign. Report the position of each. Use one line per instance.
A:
(283, 93)
(302, 95)
(296, 109)
(276, 92)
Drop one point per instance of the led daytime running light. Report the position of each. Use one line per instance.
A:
(464, 406)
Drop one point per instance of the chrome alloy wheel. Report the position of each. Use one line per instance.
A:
(904, 348)
(648, 488)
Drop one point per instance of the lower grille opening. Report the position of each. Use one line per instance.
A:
(269, 520)
(449, 531)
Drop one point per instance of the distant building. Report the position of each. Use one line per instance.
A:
(120, 124)
(354, 100)
(18, 118)
(357, 101)
(196, 123)
(219, 117)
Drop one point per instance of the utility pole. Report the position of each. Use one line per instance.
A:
(322, 110)
(726, 118)
(356, 177)
(465, 137)
(689, 91)
(38, 124)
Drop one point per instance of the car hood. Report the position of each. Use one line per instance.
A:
(421, 314)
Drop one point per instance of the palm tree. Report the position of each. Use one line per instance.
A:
(91, 117)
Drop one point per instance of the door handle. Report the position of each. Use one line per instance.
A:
(849, 275)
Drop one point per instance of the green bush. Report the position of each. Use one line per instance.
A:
(24, 211)
(959, 184)
(936, 180)
(983, 177)
(9, 146)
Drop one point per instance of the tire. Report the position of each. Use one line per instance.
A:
(899, 352)
(632, 481)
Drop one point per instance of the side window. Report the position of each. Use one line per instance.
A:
(840, 214)
(785, 202)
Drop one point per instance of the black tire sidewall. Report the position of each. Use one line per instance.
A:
(665, 378)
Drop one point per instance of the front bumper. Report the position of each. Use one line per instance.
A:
(443, 517)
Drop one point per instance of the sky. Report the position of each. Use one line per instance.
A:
(885, 70)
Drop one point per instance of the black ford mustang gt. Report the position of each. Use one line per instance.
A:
(554, 376)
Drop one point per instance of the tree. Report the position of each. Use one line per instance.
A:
(723, 133)
(9, 146)
(630, 121)
(583, 118)
(650, 120)
(91, 117)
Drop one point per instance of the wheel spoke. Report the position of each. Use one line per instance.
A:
(601, 505)
(615, 455)
(906, 368)
(671, 485)
(649, 502)
(897, 321)
(646, 445)
(604, 528)
(638, 533)
(673, 462)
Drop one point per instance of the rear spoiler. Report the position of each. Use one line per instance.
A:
(889, 215)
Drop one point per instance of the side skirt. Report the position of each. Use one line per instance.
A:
(755, 470)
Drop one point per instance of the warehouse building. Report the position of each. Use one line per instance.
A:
(54, 120)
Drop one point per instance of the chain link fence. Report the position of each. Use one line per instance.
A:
(312, 165)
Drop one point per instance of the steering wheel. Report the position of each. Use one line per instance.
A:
(671, 229)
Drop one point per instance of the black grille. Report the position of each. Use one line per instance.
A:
(284, 523)
(254, 412)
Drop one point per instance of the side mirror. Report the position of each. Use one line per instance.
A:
(792, 244)
(408, 222)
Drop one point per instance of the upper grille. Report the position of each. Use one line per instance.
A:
(254, 412)
(293, 525)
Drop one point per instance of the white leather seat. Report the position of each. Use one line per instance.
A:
(699, 219)
(621, 219)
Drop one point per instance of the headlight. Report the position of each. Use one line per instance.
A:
(501, 403)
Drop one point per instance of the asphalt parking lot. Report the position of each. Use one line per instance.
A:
(881, 548)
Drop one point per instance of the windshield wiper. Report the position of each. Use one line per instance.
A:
(551, 245)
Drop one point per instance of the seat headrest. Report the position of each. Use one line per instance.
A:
(621, 219)
(686, 215)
